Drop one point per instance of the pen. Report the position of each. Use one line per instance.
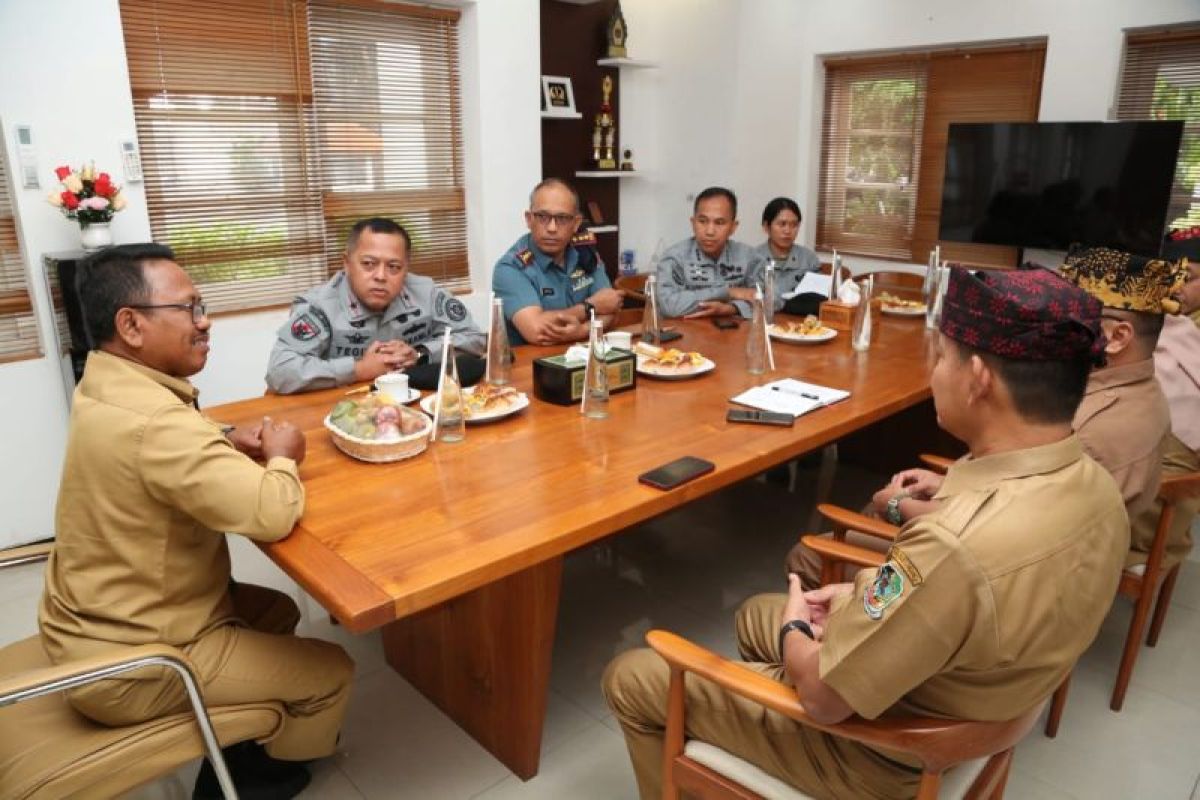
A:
(805, 395)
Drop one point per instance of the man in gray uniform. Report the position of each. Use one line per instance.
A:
(370, 318)
(708, 274)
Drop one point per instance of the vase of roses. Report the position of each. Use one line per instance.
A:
(90, 198)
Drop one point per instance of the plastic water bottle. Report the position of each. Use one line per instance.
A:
(499, 355)
(595, 379)
(756, 340)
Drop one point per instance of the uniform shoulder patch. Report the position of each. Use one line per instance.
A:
(584, 239)
(905, 565)
(880, 593)
(455, 310)
(525, 256)
(305, 327)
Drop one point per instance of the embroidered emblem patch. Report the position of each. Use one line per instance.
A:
(358, 337)
(304, 328)
(455, 310)
(883, 591)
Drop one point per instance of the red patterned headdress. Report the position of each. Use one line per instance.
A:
(1025, 315)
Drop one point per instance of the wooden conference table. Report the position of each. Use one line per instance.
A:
(457, 553)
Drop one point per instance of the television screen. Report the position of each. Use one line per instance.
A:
(1050, 185)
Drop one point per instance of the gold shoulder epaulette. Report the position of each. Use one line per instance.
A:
(525, 256)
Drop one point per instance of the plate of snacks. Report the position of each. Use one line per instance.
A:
(667, 363)
(807, 331)
(485, 402)
(899, 307)
(376, 428)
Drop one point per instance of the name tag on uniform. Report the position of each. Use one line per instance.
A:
(547, 291)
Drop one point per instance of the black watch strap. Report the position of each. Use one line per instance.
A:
(793, 625)
(588, 310)
(422, 354)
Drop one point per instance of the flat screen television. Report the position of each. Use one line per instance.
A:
(1051, 185)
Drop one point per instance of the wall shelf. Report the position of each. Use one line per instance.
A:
(626, 63)
(548, 115)
(606, 173)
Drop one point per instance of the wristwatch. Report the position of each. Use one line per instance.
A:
(794, 625)
(892, 511)
(588, 311)
(422, 354)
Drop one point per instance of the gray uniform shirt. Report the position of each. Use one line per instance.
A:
(789, 271)
(329, 329)
(688, 277)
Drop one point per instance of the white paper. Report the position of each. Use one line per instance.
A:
(811, 282)
(576, 354)
(790, 396)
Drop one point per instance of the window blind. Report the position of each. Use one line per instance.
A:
(389, 132)
(18, 326)
(223, 109)
(884, 136)
(1160, 79)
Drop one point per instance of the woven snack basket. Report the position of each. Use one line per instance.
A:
(382, 452)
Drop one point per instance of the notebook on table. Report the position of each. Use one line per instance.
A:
(790, 396)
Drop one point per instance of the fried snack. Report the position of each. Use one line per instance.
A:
(809, 326)
(892, 301)
(674, 360)
(487, 398)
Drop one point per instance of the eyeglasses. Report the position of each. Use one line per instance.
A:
(561, 220)
(196, 308)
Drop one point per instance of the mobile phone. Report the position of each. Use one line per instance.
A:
(760, 417)
(664, 335)
(680, 471)
(725, 323)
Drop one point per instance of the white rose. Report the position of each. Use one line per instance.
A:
(73, 183)
(55, 199)
(118, 202)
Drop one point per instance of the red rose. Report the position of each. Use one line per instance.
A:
(103, 185)
(70, 201)
(62, 172)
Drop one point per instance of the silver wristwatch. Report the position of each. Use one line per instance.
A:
(891, 512)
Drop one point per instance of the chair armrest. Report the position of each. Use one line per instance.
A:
(25, 554)
(833, 550)
(852, 520)
(1179, 486)
(14, 688)
(935, 462)
(936, 743)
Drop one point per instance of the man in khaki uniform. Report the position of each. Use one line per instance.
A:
(148, 488)
(954, 625)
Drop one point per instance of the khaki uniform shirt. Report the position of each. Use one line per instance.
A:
(1123, 423)
(994, 596)
(148, 484)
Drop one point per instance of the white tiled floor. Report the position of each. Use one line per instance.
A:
(687, 572)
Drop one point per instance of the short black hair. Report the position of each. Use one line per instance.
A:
(716, 191)
(559, 182)
(780, 204)
(1043, 392)
(114, 279)
(377, 225)
(1147, 326)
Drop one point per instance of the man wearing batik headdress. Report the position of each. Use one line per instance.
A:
(1123, 421)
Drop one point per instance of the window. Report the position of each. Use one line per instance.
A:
(1160, 79)
(386, 95)
(883, 143)
(250, 176)
(18, 326)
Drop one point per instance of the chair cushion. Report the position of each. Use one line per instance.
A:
(955, 782)
(47, 749)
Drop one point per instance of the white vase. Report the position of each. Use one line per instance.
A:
(95, 236)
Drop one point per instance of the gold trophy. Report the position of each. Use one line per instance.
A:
(617, 33)
(605, 133)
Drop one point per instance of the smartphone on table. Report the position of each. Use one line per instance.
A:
(725, 323)
(676, 473)
(760, 417)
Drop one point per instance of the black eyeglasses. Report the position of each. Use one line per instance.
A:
(196, 308)
(544, 218)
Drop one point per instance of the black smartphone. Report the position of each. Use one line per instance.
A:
(680, 471)
(760, 417)
(665, 335)
(725, 323)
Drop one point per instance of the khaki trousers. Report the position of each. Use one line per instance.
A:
(635, 685)
(261, 660)
(1177, 458)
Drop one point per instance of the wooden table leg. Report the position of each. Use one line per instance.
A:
(484, 659)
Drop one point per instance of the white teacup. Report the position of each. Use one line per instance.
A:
(394, 384)
(622, 340)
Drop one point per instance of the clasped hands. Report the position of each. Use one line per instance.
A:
(382, 357)
(812, 607)
(720, 308)
(919, 484)
(269, 439)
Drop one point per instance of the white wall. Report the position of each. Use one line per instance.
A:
(753, 100)
(80, 107)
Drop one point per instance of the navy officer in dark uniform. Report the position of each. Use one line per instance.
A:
(552, 280)
(371, 318)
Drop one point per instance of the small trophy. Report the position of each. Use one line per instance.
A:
(627, 162)
(605, 132)
(617, 33)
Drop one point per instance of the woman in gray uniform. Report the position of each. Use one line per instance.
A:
(781, 224)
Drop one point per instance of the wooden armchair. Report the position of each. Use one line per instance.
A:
(982, 751)
(1141, 583)
(48, 750)
(836, 552)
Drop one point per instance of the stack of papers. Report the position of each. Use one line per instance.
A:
(814, 282)
(790, 396)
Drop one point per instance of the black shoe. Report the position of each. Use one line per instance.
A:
(255, 774)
